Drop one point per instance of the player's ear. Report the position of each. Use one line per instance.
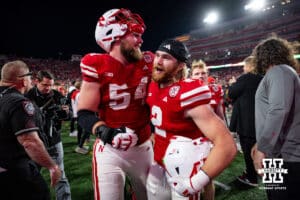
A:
(180, 66)
(180, 72)
(20, 82)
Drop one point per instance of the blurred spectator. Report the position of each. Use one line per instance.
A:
(56, 85)
(72, 88)
(242, 93)
(200, 71)
(277, 116)
(82, 135)
(51, 104)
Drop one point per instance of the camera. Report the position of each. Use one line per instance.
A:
(63, 101)
(55, 111)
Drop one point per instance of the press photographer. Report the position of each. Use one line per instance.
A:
(53, 106)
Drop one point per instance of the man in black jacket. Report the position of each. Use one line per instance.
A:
(52, 105)
(20, 145)
(242, 92)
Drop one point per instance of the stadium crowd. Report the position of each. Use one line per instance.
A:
(66, 71)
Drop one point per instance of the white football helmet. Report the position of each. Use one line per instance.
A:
(114, 24)
(185, 156)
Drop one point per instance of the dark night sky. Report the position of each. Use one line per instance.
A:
(42, 29)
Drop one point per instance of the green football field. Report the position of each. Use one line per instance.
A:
(78, 168)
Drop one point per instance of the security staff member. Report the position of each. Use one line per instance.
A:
(50, 103)
(20, 145)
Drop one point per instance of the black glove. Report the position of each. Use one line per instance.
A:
(106, 134)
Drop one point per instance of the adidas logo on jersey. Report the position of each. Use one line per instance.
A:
(165, 99)
(145, 68)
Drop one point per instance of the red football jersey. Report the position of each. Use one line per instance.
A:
(74, 94)
(216, 95)
(123, 90)
(168, 106)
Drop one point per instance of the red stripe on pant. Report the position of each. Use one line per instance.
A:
(95, 177)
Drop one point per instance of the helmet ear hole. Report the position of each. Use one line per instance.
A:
(109, 32)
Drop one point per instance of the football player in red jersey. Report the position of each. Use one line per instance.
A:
(199, 71)
(181, 108)
(112, 105)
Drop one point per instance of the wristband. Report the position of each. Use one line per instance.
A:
(199, 180)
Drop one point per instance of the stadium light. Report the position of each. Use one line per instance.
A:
(255, 5)
(211, 18)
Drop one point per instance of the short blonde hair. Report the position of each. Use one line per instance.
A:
(77, 84)
(199, 64)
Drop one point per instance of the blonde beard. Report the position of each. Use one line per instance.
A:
(131, 54)
(166, 77)
(137, 54)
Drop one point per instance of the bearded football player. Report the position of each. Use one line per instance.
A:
(112, 105)
(184, 127)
